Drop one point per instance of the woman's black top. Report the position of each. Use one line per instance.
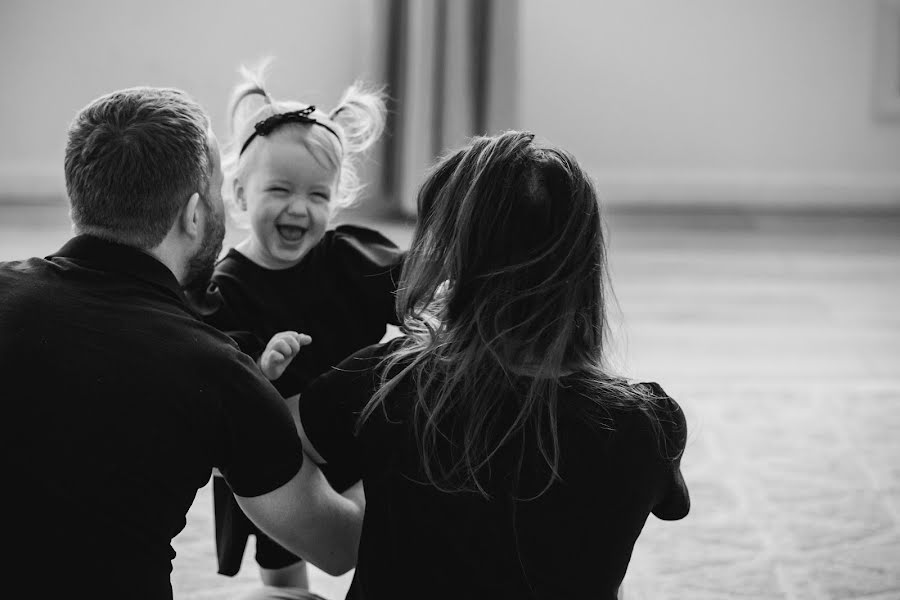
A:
(573, 541)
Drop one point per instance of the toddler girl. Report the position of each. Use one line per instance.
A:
(288, 167)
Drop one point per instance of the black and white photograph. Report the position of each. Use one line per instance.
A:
(450, 299)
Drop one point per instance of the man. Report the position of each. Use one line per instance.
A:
(118, 400)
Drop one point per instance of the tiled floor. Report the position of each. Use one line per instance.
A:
(780, 337)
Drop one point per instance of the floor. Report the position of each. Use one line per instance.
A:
(779, 334)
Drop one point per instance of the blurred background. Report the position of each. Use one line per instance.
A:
(715, 102)
(748, 156)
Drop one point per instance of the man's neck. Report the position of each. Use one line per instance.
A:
(171, 254)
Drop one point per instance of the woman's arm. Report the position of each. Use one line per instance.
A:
(675, 500)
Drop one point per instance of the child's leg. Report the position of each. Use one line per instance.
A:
(233, 528)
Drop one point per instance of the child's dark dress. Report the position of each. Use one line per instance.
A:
(342, 294)
(574, 541)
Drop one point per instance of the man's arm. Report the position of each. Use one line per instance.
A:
(308, 447)
(310, 519)
(355, 493)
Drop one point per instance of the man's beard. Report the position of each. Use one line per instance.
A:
(200, 267)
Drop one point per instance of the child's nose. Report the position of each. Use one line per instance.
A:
(298, 206)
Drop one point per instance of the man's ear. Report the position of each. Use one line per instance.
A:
(190, 216)
(239, 196)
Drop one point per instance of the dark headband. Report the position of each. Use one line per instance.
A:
(266, 126)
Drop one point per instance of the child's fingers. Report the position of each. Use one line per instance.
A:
(280, 351)
(271, 357)
(281, 341)
(282, 335)
(296, 340)
(291, 344)
(284, 347)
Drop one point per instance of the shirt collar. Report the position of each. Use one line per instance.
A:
(120, 258)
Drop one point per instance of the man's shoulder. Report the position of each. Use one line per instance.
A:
(24, 267)
(31, 278)
(221, 353)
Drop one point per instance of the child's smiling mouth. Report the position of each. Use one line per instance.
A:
(290, 233)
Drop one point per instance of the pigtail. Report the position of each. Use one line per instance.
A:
(249, 95)
(361, 114)
(246, 99)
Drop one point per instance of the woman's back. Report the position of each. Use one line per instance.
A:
(574, 540)
(488, 472)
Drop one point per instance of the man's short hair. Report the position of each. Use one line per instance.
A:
(133, 158)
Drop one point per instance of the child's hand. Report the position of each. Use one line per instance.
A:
(280, 351)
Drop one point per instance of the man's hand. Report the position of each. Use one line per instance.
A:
(280, 351)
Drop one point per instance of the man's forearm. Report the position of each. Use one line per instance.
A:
(356, 494)
(309, 518)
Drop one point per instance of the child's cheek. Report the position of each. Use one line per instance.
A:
(263, 224)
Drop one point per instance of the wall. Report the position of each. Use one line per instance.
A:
(665, 101)
(705, 101)
(58, 55)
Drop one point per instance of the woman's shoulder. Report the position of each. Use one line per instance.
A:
(370, 357)
(666, 410)
(627, 410)
(658, 398)
(620, 394)
(355, 378)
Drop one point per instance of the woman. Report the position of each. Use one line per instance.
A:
(500, 458)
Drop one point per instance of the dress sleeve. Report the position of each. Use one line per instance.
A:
(331, 405)
(674, 500)
(373, 264)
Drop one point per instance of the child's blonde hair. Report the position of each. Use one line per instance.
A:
(337, 138)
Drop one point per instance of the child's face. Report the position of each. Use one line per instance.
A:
(288, 194)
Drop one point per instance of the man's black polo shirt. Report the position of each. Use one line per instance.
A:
(117, 403)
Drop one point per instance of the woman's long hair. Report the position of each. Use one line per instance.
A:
(502, 294)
